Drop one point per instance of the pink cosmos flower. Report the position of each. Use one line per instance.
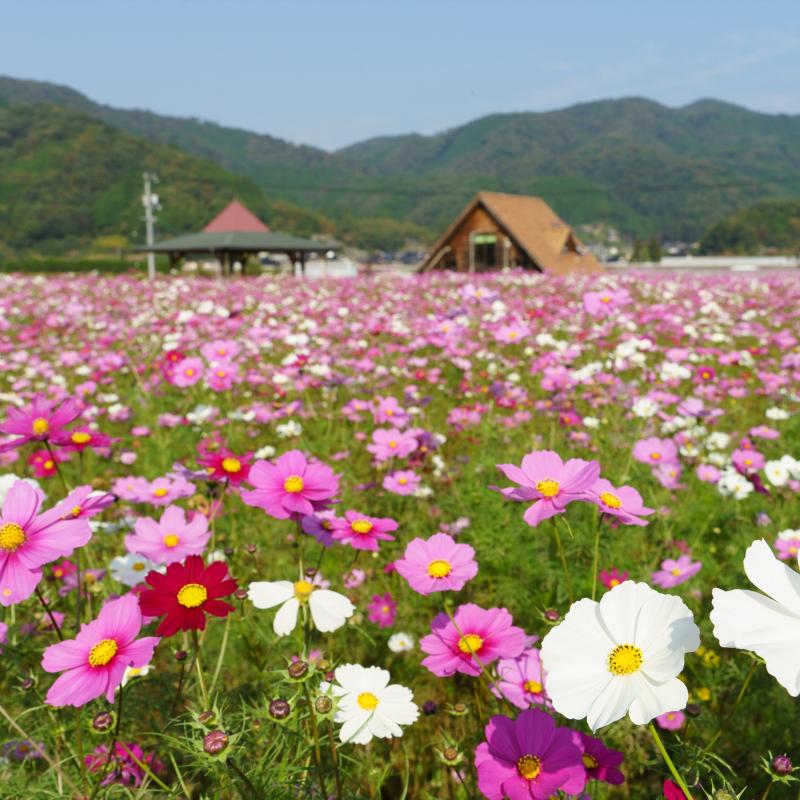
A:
(221, 376)
(521, 680)
(319, 526)
(747, 461)
(601, 762)
(94, 661)
(624, 502)
(671, 721)
(655, 451)
(612, 577)
(529, 759)
(220, 350)
(28, 540)
(551, 483)
(763, 432)
(170, 539)
(437, 565)
(362, 532)
(512, 334)
(402, 482)
(602, 304)
(474, 635)
(674, 572)
(707, 473)
(355, 577)
(668, 474)
(187, 372)
(382, 610)
(387, 409)
(788, 546)
(81, 438)
(223, 464)
(164, 491)
(84, 502)
(393, 442)
(37, 422)
(705, 374)
(292, 486)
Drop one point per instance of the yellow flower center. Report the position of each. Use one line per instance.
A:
(402, 481)
(367, 701)
(389, 412)
(76, 511)
(529, 767)
(605, 299)
(439, 568)
(625, 659)
(11, 536)
(655, 456)
(548, 487)
(293, 484)
(102, 652)
(48, 464)
(362, 526)
(534, 687)
(189, 373)
(232, 465)
(81, 437)
(393, 444)
(171, 540)
(610, 500)
(470, 644)
(160, 492)
(192, 595)
(302, 590)
(590, 762)
(138, 566)
(613, 582)
(133, 672)
(40, 426)
(675, 571)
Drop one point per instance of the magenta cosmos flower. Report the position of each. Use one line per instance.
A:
(38, 422)
(28, 540)
(393, 442)
(402, 482)
(170, 539)
(521, 680)
(655, 451)
(551, 483)
(529, 758)
(292, 486)
(362, 532)
(95, 661)
(625, 503)
(475, 636)
(382, 610)
(439, 564)
(673, 571)
(601, 762)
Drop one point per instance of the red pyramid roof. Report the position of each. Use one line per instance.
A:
(236, 218)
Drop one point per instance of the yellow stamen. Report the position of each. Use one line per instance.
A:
(192, 595)
(439, 568)
(303, 590)
(367, 701)
(138, 567)
(534, 687)
(610, 500)
(171, 540)
(590, 762)
(48, 464)
(362, 526)
(655, 456)
(160, 492)
(232, 465)
(11, 537)
(470, 644)
(625, 659)
(102, 652)
(81, 437)
(529, 767)
(548, 487)
(40, 426)
(293, 484)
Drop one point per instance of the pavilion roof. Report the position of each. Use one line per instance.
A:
(236, 218)
(243, 242)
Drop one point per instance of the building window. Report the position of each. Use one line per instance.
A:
(485, 250)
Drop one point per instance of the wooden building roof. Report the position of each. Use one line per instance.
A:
(533, 227)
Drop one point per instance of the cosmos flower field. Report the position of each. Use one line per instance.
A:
(428, 537)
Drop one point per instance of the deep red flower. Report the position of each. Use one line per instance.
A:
(185, 593)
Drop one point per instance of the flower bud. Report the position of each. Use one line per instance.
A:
(240, 594)
(251, 548)
(103, 721)
(429, 707)
(279, 709)
(27, 684)
(206, 717)
(297, 670)
(323, 704)
(551, 615)
(782, 765)
(693, 710)
(180, 655)
(215, 742)
(229, 551)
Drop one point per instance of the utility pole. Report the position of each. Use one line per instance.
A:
(149, 201)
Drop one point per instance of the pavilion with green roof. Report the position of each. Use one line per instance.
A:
(235, 234)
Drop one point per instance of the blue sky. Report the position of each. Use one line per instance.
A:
(331, 73)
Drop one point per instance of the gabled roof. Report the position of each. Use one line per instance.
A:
(236, 218)
(210, 242)
(534, 227)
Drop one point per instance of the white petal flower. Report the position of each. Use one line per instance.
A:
(329, 610)
(131, 568)
(777, 473)
(621, 655)
(368, 706)
(401, 642)
(769, 623)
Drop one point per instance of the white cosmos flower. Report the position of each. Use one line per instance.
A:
(135, 672)
(621, 655)
(329, 610)
(131, 568)
(401, 642)
(777, 473)
(368, 706)
(776, 413)
(769, 623)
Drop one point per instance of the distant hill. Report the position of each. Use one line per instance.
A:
(643, 167)
(67, 179)
(768, 226)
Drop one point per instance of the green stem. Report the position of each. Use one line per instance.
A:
(335, 759)
(560, 548)
(596, 563)
(200, 680)
(221, 656)
(112, 749)
(49, 614)
(79, 744)
(665, 755)
(252, 789)
(317, 754)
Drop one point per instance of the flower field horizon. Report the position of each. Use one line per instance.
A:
(411, 537)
